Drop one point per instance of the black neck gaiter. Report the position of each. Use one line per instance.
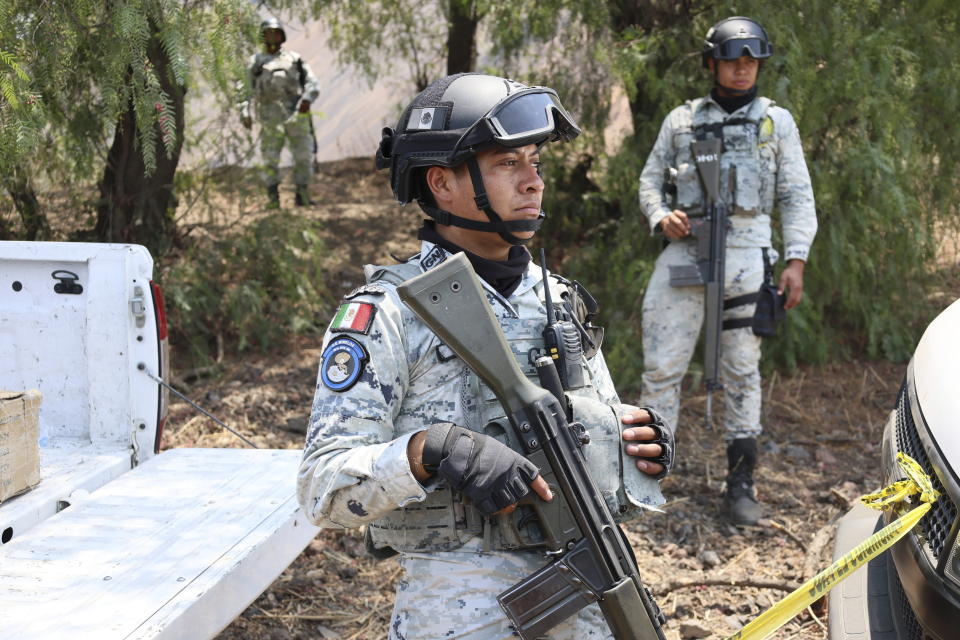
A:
(735, 102)
(503, 276)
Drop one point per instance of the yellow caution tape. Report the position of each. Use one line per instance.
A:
(917, 482)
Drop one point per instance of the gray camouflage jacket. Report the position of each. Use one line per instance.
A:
(355, 469)
(769, 172)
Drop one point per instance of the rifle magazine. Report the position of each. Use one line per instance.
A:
(546, 598)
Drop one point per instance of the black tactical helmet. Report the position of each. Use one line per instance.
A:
(273, 23)
(459, 115)
(734, 37)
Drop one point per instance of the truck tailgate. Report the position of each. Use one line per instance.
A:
(175, 548)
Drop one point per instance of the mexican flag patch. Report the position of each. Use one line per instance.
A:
(354, 317)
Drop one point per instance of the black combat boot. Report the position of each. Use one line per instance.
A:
(273, 196)
(302, 198)
(740, 498)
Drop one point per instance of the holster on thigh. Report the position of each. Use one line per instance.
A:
(769, 311)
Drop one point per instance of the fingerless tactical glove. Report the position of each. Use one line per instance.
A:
(490, 473)
(664, 438)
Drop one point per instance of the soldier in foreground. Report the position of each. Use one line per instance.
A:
(281, 86)
(404, 438)
(761, 167)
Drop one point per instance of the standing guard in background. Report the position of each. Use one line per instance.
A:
(283, 87)
(761, 167)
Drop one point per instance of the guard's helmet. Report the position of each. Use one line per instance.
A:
(454, 118)
(734, 37)
(273, 23)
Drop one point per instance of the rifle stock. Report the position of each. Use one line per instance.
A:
(595, 561)
(451, 301)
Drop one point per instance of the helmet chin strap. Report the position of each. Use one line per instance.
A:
(496, 224)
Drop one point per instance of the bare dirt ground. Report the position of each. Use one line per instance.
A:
(820, 451)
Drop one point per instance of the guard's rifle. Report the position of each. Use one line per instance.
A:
(302, 78)
(710, 230)
(706, 153)
(593, 561)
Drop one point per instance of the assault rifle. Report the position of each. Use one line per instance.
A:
(593, 560)
(710, 231)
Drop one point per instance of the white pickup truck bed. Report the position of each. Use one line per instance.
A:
(118, 541)
(175, 548)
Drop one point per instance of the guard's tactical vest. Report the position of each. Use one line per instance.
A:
(443, 521)
(744, 162)
(278, 81)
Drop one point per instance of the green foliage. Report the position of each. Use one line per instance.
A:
(872, 86)
(882, 174)
(19, 109)
(379, 36)
(80, 63)
(873, 90)
(250, 291)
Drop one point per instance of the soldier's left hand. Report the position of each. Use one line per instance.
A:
(304, 106)
(650, 444)
(791, 280)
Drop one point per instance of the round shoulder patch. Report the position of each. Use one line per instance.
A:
(342, 363)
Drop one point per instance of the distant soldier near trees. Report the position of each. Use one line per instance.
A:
(281, 86)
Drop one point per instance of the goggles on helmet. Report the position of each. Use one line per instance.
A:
(532, 116)
(733, 48)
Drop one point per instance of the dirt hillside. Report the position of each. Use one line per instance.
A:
(820, 450)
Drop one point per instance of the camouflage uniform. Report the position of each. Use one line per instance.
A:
(770, 171)
(279, 83)
(355, 469)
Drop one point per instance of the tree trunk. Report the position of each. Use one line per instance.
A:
(35, 226)
(136, 207)
(462, 36)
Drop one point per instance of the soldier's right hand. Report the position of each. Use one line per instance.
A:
(675, 225)
(491, 474)
(246, 121)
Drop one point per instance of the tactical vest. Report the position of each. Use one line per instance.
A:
(444, 521)
(747, 161)
(279, 79)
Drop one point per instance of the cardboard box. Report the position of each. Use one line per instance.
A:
(19, 451)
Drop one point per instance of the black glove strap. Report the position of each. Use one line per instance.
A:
(487, 471)
(433, 446)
